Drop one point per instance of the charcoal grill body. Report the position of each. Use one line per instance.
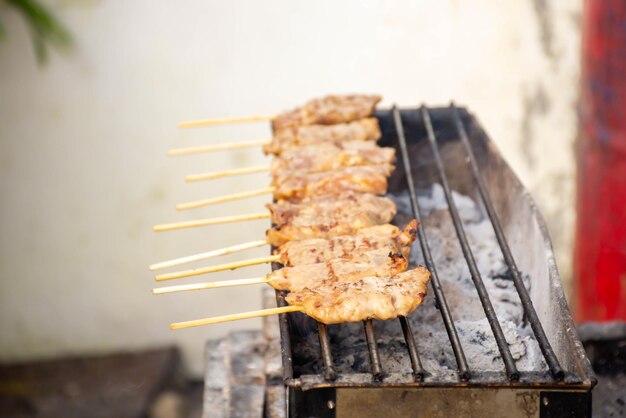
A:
(563, 389)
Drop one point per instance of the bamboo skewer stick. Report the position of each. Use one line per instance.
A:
(217, 147)
(219, 267)
(227, 173)
(212, 221)
(209, 254)
(209, 285)
(225, 121)
(235, 317)
(225, 198)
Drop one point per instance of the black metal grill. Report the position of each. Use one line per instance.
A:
(423, 125)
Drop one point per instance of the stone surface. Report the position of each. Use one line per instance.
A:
(247, 377)
(244, 372)
(247, 358)
(235, 377)
(216, 392)
(246, 401)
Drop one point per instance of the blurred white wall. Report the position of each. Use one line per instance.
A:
(83, 172)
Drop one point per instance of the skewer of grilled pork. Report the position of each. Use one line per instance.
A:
(362, 130)
(327, 216)
(317, 217)
(313, 158)
(295, 186)
(328, 119)
(367, 298)
(386, 239)
(328, 157)
(377, 263)
(327, 110)
(316, 250)
(366, 131)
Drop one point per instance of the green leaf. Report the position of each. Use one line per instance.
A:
(45, 29)
(3, 33)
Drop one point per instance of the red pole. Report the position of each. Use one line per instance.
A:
(600, 248)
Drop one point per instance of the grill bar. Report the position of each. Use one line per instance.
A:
(327, 359)
(418, 371)
(503, 346)
(283, 324)
(442, 303)
(529, 309)
(370, 336)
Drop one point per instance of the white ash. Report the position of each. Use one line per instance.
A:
(474, 331)
(350, 352)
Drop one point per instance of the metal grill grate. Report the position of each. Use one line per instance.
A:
(465, 373)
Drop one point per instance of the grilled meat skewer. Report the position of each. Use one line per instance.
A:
(323, 156)
(299, 186)
(376, 263)
(362, 130)
(296, 186)
(367, 298)
(327, 217)
(328, 110)
(328, 157)
(317, 250)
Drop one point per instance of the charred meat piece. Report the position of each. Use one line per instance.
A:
(295, 186)
(328, 157)
(367, 298)
(327, 216)
(377, 263)
(362, 130)
(317, 250)
(328, 110)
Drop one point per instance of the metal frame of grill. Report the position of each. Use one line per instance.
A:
(317, 393)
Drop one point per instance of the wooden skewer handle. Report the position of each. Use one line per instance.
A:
(211, 221)
(235, 317)
(226, 173)
(226, 198)
(209, 254)
(219, 267)
(210, 285)
(218, 147)
(225, 121)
